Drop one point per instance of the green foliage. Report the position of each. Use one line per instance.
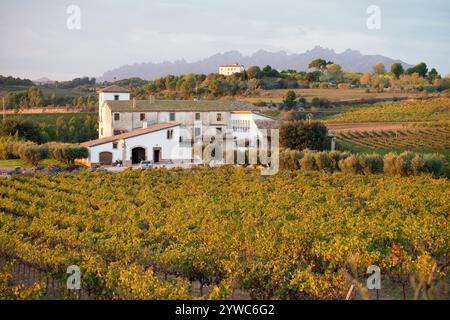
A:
(371, 163)
(5, 152)
(301, 135)
(421, 69)
(29, 152)
(351, 164)
(408, 163)
(308, 162)
(67, 153)
(397, 69)
(290, 159)
(24, 129)
(379, 68)
(41, 128)
(290, 99)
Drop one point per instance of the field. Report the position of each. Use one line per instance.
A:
(336, 95)
(228, 232)
(405, 111)
(408, 139)
(50, 118)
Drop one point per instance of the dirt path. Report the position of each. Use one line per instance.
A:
(366, 126)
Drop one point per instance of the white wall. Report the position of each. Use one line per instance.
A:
(170, 148)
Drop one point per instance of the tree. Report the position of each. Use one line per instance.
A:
(313, 76)
(34, 97)
(269, 72)
(365, 79)
(26, 130)
(317, 63)
(335, 72)
(433, 74)
(254, 72)
(421, 69)
(30, 152)
(397, 69)
(299, 135)
(290, 99)
(379, 68)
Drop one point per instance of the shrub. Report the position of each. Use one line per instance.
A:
(299, 135)
(351, 164)
(308, 161)
(324, 162)
(66, 152)
(336, 157)
(290, 159)
(28, 151)
(433, 164)
(315, 102)
(418, 164)
(5, 153)
(403, 164)
(389, 163)
(371, 163)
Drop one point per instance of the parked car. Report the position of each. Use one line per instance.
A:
(145, 164)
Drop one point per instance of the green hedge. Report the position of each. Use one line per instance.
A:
(404, 164)
(33, 153)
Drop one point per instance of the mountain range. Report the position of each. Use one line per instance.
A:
(350, 60)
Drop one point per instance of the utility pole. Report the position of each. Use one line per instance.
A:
(4, 110)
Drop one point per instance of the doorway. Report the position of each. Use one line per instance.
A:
(137, 155)
(105, 158)
(156, 155)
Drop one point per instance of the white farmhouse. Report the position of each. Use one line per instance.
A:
(156, 143)
(229, 69)
(164, 131)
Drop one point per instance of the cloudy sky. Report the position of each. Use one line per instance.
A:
(36, 42)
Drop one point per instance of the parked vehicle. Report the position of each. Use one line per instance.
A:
(145, 164)
(117, 163)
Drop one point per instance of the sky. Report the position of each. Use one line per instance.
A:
(37, 42)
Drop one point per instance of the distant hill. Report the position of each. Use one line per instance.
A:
(350, 60)
(43, 81)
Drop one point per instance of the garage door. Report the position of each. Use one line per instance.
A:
(106, 158)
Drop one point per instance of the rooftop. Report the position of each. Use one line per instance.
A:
(231, 65)
(179, 105)
(114, 88)
(131, 134)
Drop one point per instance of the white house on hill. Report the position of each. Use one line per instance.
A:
(132, 130)
(229, 69)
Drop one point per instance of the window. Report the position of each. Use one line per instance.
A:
(197, 116)
(172, 116)
(116, 116)
(170, 134)
(197, 132)
(116, 97)
(114, 145)
(219, 130)
(142, 116)
(219, 117)
(101, 131)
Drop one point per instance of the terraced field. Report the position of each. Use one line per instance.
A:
(409, 139)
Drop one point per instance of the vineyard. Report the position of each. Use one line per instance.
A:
(436, 138)
(427, 110)
(230, 231)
